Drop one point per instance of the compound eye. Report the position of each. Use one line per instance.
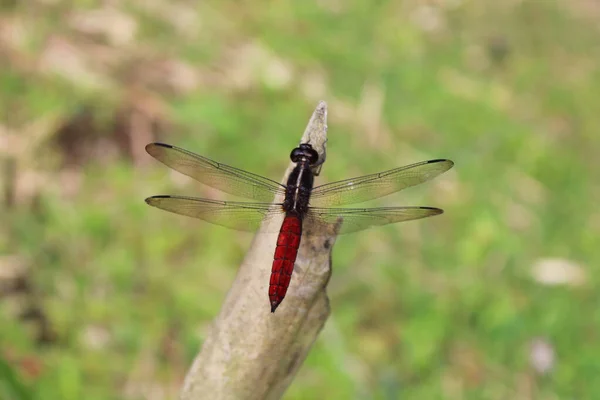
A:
(296, 155)
(313, 156)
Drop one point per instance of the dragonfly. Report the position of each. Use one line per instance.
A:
(303, 202)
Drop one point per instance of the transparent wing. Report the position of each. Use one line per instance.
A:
(248, 216)
(219, 176)
(368, 187)
(230, 214)
(356, 219)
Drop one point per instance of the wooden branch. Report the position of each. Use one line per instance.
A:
(251, 353)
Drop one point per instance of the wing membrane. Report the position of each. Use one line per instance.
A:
(368, 187)
(356, 219)
(230, 214)
(219, 176)
(249, 216)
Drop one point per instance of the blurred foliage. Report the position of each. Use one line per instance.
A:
(105, 298)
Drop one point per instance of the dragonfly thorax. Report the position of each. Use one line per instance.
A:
(298, 188)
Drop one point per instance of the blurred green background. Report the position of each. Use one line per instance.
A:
(103, 297)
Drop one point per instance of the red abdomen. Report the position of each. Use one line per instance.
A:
(286, 251)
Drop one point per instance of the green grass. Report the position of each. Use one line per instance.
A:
(445, 308)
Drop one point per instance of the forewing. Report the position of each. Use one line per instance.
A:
(219, 176)
(368, 187)
(356, 219)
(230, 214)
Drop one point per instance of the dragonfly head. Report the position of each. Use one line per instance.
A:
(304, 152)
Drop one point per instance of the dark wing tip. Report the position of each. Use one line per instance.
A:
(449, 163)
(434, 210)
(151, 146)
(150, 200)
